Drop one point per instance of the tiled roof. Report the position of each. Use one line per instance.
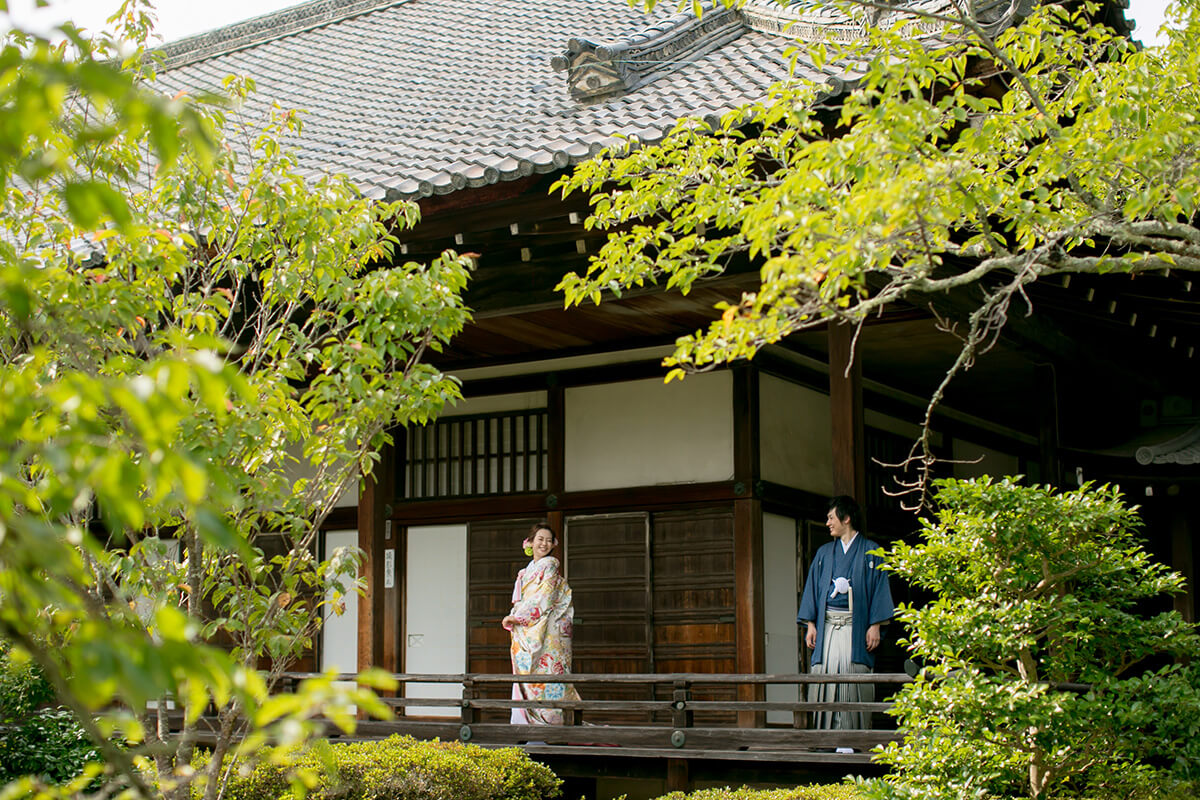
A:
(417, 97)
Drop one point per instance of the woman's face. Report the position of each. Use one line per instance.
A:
(543, 543)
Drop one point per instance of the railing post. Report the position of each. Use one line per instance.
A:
(681, 712)
(468, 708)
(800, 716)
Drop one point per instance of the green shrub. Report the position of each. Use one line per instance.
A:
(396, 768)
(818, 792)
(1033, 589)
(37, 740)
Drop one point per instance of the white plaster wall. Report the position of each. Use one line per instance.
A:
(796, 443)
(518, 401)
(993, 462)
(644, 433)
(435, 614)
(339, 633)
(780, 607)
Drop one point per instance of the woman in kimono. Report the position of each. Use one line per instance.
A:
(540, 623)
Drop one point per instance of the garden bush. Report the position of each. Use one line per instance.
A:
(1047, 670)
(37, 738)
(817, 792)
(396, 768)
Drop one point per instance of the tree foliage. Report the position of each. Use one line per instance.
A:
(197, 344)
(1046, 666)
(962, 154)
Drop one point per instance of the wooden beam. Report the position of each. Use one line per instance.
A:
(748, 602)
(846, 415)
(646, 498)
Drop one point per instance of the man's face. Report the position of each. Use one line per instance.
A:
(837, 527)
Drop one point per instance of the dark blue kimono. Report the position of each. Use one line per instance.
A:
(872, 595)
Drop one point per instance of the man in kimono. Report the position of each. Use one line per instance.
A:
(846, 601)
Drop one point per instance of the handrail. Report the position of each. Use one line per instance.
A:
(631, 678)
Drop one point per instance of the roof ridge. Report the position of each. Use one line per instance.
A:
(264, 28)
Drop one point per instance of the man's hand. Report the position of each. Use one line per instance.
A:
(810, 637)
(873, 634)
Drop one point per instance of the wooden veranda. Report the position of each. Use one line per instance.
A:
(671, 733)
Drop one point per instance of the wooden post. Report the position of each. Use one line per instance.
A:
(556, 434)
(1183, 562)
(677, 775)
(748, 612)
(1047, 405)
(681, 714)
(376, 637)
(747, 541)
(846, 415)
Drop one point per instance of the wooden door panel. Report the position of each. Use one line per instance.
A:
(606, 567)
(693, 578)
(494, 557)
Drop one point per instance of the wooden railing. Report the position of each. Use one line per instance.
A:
(667, 728)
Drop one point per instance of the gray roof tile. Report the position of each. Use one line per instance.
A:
(415, 97)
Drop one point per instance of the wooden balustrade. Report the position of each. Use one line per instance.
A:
(669, 730)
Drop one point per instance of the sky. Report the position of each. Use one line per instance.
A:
(181, 18)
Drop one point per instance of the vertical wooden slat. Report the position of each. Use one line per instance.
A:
(846, 414)
(479, 457)
(512, 452)
(528, 471)
(462, 458)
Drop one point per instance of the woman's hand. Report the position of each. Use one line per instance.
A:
(509, 622)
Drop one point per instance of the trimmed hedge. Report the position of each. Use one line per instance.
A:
(396, 768)
(839, 791)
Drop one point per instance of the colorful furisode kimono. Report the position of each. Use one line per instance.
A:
(541, 639)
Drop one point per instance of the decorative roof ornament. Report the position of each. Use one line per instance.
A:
(599, 70)
(1182, 449)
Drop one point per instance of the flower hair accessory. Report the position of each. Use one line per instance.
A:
(527, 545)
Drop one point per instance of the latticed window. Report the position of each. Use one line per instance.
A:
(478, 455)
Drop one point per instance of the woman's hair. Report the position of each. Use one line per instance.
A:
(540, 526)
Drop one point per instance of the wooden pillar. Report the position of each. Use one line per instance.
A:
(556, 435)
(846, 415)
(1183, 561)
(748, 540)
(748, 612)
(378, 611)
(677, 775)
(1047, 405)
